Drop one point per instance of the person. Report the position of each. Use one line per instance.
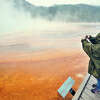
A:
(91, 46)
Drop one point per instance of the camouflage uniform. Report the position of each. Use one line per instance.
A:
(92, 49)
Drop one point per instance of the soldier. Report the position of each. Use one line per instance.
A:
(91, 45)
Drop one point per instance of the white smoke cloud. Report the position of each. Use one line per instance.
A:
(14, 21)
(20, 25)
(10, 19)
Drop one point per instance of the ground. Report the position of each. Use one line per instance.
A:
(37, 76)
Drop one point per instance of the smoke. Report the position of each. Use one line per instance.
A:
(12, 20)
(19, 27)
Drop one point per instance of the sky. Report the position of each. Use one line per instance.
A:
(53, 2)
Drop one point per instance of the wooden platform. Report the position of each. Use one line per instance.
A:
(84, 91)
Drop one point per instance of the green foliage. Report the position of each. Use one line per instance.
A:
(66, 13)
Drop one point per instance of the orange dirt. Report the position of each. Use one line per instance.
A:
(37, 76)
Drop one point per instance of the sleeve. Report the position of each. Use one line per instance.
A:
(87, 47)
(92, 40)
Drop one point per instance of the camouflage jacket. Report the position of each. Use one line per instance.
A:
(93, 51)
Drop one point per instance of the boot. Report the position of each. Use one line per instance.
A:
(94, 85)
(96, 90)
